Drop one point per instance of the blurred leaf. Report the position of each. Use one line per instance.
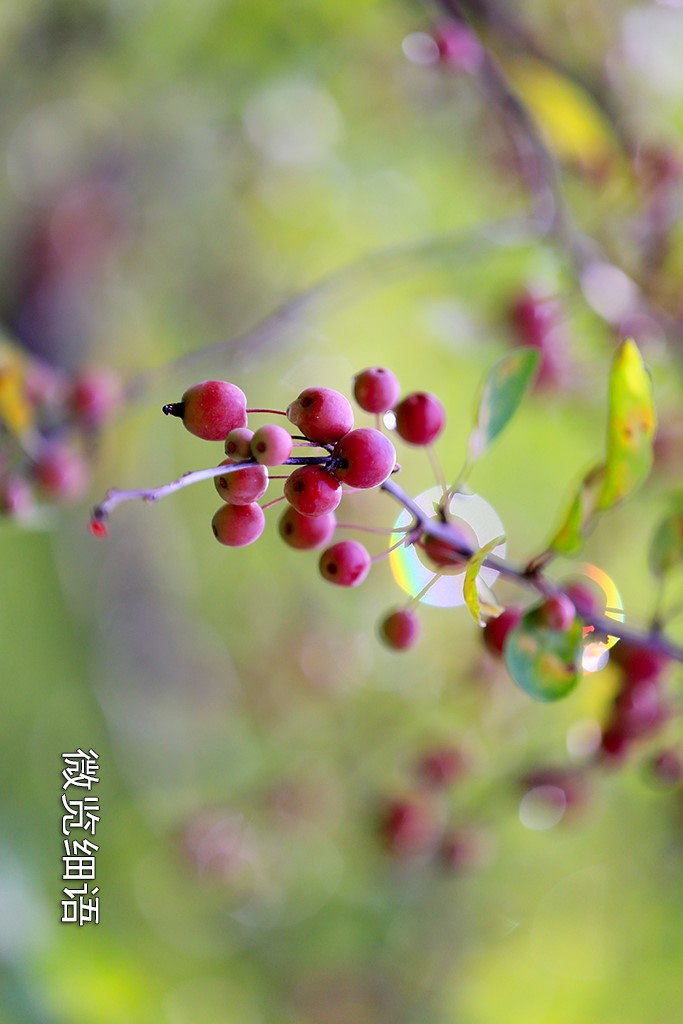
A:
(666, 549)
(631, 426)
(480, 602)
(574, 126)
(501, 394)
(571, 534)
(545, 663)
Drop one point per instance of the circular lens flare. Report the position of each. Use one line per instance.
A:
(596, 652)
(413, 574)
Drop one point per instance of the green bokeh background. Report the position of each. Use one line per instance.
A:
(264, 147)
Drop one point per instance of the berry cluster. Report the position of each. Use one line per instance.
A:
(325, 458)
(49, 425)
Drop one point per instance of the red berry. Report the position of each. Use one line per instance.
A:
(496, 631)
(364, 458)
(537, 322)
(238, 444)
(667, 767)
(306, 532)
(557, 613)
(420, 418)
(400, 630)
(376, 389)
(570, 781)
(585, 598)
(242, 486)
(95, 394)
(409, 827)
(615, 744)
(211, 409)
(271, 445)
(445, 555)
(238, 525)
(465, 849)
(321, 414)
(639, 709)
(16, 496)
(312, 491)
(346, 563)
(441, 767)
(639, 663)
(61, 472)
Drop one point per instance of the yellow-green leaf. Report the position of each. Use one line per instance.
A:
(631, 426)
(545, 663)
(480, 604)
(502, 391)
(580, 515)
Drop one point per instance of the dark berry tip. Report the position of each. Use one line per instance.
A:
(174, 409)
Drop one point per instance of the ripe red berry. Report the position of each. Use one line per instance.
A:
(61, 472)
(420, 418)
(445, 555)
(496, 631)
(639, 663)
(16, 496)
(211, 409)
(242, 486)
(376, 389)
(238, 444)
(95, 394)
(306, 532)
(585, 598)
(401, 629)
(238, 525)
(346, 563)
(321, 414)
(271, 445)
(364, 458)
(409, 827)
(557, 613)
(312, 491)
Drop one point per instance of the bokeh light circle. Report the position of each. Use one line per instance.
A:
(596, 652)
(413, 575)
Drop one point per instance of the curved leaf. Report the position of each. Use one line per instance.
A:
(580, 515)
(476, 602)
(501, 394)
(545, 663)
(631, 426)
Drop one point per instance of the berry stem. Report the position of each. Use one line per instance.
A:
(275, 501)
(383, 530)
(384, 554)
(272, 412)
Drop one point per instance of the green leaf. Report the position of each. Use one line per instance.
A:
(631, 426)
(501, 394)
(666, 549)
(476, 602)
(545, 663)
(580, 515)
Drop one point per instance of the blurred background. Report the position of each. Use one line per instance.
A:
(299, 826)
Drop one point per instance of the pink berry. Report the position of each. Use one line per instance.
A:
(585, 598)
(420, 418)
(441, 767)
(238, 444)
(312, 491)
(409, 827)
(639, 662)
(376, 389)
(238, 525)
(400, 630)
(95, 394)
(557, 613)
(16, 496)
(445, 555)
(61, 472)
(537, 321)
(321, 414)
(639, 709)
(306, 532)
(667, 767)
(465, 849)
(364, 458)
(496, 631)
(346, 563)
(211, 409)
(242, 486)
(271, 445)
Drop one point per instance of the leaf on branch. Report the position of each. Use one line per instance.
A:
(478, 597)
(545, 663)
(501, 394)
(580, 515)
(15, 410)
(631, 426)
(666, 549)
(575, 128)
